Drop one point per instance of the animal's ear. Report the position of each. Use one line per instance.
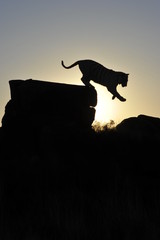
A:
(127, 74)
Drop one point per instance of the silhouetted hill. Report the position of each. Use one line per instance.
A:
(141, 126)
(60, 179)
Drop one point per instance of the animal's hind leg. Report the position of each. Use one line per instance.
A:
(86, 81)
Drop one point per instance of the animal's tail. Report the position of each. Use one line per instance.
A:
(73, 65)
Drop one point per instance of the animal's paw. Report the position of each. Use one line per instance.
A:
(113, 97)
(122, 99)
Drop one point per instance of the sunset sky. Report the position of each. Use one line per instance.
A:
(122, 35)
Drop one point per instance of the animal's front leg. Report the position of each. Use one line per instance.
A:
(116, 94)
(86, 82)
(122, 99)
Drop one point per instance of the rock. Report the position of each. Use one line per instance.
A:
(140, 127)
(40, 102)
(60, 179)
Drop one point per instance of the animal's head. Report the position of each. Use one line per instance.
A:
(123, 79)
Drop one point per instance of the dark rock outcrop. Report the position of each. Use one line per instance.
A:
(140, 127)
(40, 102)
(60, 179)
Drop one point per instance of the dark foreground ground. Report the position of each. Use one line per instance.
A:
(66, 181)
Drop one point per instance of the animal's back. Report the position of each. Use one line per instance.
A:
(93, 70)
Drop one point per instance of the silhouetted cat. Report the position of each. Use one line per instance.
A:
(92, 70)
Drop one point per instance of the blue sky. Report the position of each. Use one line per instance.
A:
(122, 35)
